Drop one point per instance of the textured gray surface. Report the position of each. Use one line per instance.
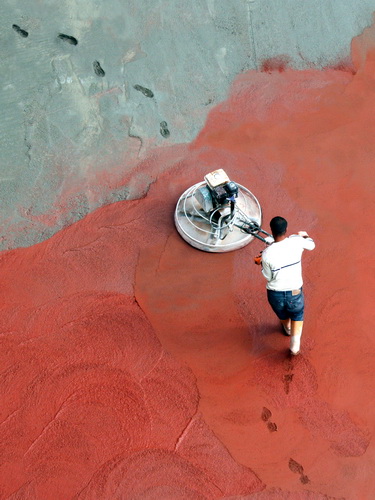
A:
(65, 122)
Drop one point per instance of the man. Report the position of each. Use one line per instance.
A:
(281, 266)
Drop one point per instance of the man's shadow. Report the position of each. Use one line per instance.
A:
(269, 339)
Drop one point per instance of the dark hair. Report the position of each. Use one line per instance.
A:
(278, 226)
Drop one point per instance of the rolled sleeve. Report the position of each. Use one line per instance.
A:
(308, 243)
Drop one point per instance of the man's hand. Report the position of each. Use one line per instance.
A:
(258, 259)
(303, 234)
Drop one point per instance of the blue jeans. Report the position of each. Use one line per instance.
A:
(286, 305)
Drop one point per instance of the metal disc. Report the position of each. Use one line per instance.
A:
(195, 227)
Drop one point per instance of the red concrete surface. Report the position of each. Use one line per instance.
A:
(134, 366)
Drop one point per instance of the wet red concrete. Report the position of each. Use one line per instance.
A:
(134, 366)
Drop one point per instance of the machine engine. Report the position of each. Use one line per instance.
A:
(217, 198)
(219, 215)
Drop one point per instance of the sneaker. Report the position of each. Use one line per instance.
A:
(295, 344)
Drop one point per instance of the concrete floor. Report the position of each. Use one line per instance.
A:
(133, 365)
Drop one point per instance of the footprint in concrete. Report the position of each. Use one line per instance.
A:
(20, 31)
(295, 466)
(164, 129)
(289, 364)
(69, 39)
(288, 377)
(98, 69)
(298, 469)
(271, 426)
(266, 414)
(287, 381)
(144, 90)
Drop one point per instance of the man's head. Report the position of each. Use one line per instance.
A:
(278, 226)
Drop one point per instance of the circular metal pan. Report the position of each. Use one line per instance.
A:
(196, 228)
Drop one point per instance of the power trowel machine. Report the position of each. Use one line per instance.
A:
(219, 215)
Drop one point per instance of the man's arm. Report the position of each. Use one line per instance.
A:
(308, 243)
(266, 270)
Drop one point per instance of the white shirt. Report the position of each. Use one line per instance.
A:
(281, 263)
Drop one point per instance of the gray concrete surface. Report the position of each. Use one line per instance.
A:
(72, 112)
